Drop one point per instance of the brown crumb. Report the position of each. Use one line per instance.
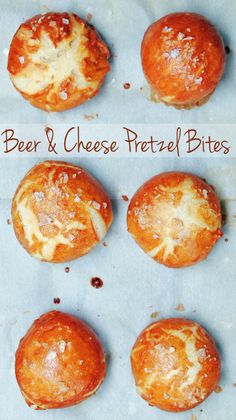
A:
(57, 301)
(9, 221)
(180, 307)
(218, 389)
(125, 198)
(126, 85)
(105, 244)
(155, 314)
(234, 385)
(234, 215)
(193, 417)
(89, 17)
(90, 117)
(96, 282)
(67, 269)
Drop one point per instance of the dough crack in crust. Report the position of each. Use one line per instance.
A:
(57, 61)
(176, 218)
(60, 212)
(175, 364)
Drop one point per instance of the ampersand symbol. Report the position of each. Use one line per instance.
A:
(50, 136)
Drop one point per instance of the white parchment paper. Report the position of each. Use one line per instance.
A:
(134, 285)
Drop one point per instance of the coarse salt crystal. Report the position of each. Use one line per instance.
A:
(62, 387)
(167, 29)
(202, 353)
(51, 356)
(63, 95)
(77, 198)
(39, 196)
(96, 205)
(205, 193)
(62, 346)
(44, 219)
(65, 21)
(64, 177)
(22, 59)
(104, 205)
(180, 36)
(174, 53)
(198, 81)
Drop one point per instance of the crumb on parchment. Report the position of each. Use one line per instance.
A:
(180, 307)
(154, 314)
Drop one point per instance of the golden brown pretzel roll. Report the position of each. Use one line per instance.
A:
(57, 61)
(175, 364)
(59, 362)
(183, 59)
(176, 218)
(60, 212)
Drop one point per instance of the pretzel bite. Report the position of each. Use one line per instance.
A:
(59, 362)
(60, 212)
(176, 218)
(57, 61)
(175, 364)
(183, 58)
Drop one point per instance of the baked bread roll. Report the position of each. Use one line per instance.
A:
(176, 218)
(183, 58)
(57, 61)
(60, 212)
(175, 364)
(59, 362)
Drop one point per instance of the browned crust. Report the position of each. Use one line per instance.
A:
(74, 374)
